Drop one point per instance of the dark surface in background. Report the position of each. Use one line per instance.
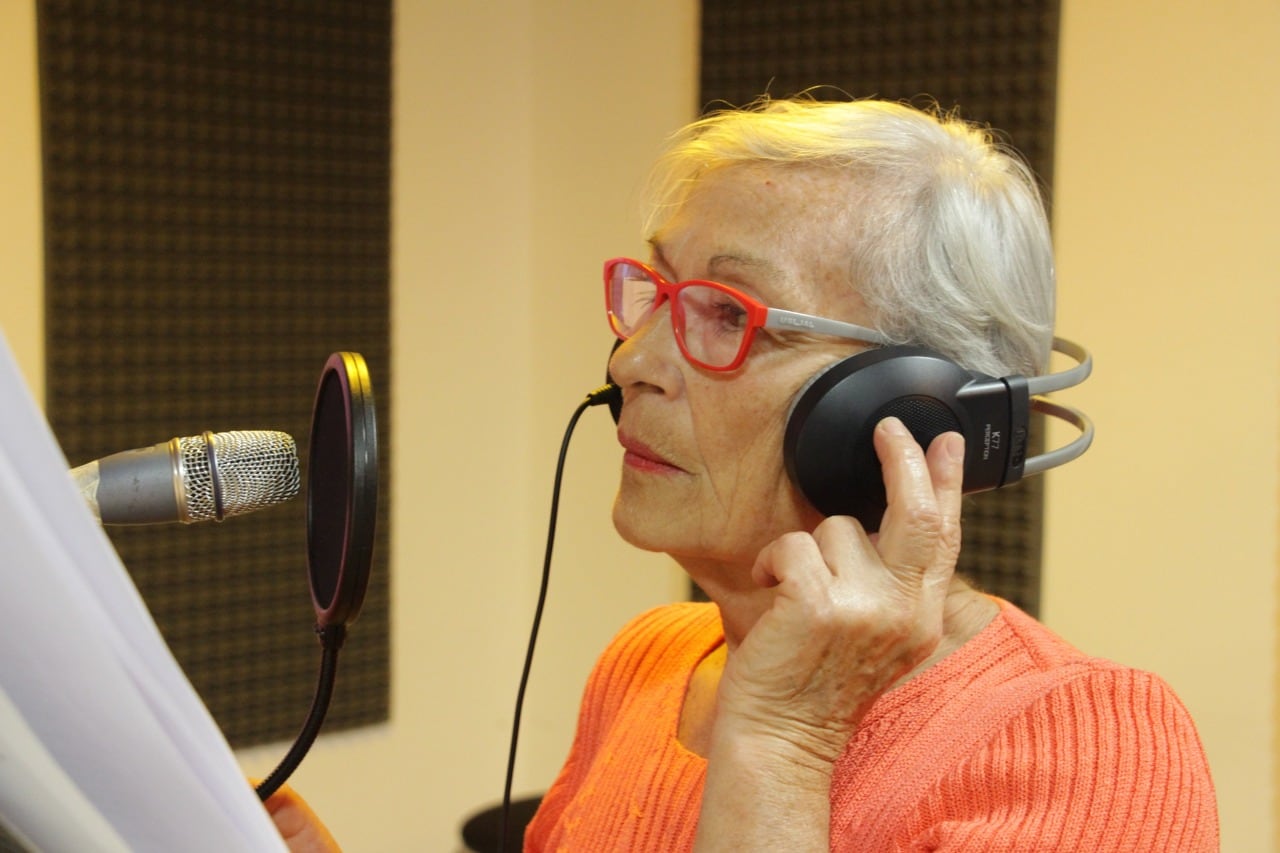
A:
(217, 206)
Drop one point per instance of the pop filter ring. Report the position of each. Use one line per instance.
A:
(342, 503)
(339, 570)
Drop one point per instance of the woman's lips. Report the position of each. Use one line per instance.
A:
(644, 458)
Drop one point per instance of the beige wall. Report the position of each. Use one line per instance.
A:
(521, 130)
(21, 251)
(1162, 548)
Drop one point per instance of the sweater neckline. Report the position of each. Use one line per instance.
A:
(710, 636)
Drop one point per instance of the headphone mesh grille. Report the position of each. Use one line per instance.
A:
(925, 417)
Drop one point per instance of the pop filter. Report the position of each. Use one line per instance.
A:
(342, 504)
(342, 490)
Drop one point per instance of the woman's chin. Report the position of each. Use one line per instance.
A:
(637, 532)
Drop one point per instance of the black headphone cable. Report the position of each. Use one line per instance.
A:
(609, 394)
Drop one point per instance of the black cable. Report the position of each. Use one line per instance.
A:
(607, 394)
(331, 638)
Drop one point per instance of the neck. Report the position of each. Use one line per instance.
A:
(730, 588)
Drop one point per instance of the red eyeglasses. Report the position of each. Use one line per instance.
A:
(713, 323)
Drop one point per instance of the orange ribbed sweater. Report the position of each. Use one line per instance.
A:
(1014, 742)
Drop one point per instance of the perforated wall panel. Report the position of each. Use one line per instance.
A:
(217, 222)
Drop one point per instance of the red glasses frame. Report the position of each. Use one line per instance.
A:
(759, 315)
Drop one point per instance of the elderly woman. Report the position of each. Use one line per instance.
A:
(843, 690)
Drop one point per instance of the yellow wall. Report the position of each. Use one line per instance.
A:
(521, 130)
(21, 250)
(1161, 544)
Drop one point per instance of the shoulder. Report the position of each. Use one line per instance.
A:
(1048, 687)
(1089, 752)
(1065, 676)
(1021, 740)
(1108, 760)
(1109, 713)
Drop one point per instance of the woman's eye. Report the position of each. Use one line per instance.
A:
(731, 315)
(711, 312)
(637, 300)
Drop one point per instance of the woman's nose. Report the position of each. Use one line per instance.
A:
(650, 355)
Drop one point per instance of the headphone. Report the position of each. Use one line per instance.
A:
(828, 449)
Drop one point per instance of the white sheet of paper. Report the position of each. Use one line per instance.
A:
(41, 800)
(89, 677)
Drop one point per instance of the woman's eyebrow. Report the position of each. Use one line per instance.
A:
(723, 264)
(718, 262)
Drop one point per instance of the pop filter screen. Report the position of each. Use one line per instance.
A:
(342, 489)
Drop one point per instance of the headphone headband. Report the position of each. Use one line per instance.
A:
(1064, 454)
(1050, 382)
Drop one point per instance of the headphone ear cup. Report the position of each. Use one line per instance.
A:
(828, 445)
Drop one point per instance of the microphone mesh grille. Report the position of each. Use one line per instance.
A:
(256, 468)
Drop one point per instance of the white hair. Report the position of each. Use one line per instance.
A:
(951, 247)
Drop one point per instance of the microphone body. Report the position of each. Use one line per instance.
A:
(197, 478)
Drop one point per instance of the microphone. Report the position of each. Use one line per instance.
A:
(197, 478)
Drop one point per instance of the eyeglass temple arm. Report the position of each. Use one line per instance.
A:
(776, 318)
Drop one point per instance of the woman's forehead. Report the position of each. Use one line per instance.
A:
(779, 230)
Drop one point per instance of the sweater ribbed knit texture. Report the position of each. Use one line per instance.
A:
(1014, 742)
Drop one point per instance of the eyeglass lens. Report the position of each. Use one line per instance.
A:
(710, 322)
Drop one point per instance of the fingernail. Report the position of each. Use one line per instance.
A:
(955, 446)
(894, 426)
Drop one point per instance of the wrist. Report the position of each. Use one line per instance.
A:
(796, 757)
(808, 738)
(763, 793)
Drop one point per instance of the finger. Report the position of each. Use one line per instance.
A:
(291, 813)
(793, 559)
(945, 458)
(844, 543)
(912, 520)
(298, 824)
(287, 805)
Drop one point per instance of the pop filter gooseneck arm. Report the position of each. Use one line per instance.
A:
(342, 504)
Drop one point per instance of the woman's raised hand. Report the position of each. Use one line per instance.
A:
(853, 613)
